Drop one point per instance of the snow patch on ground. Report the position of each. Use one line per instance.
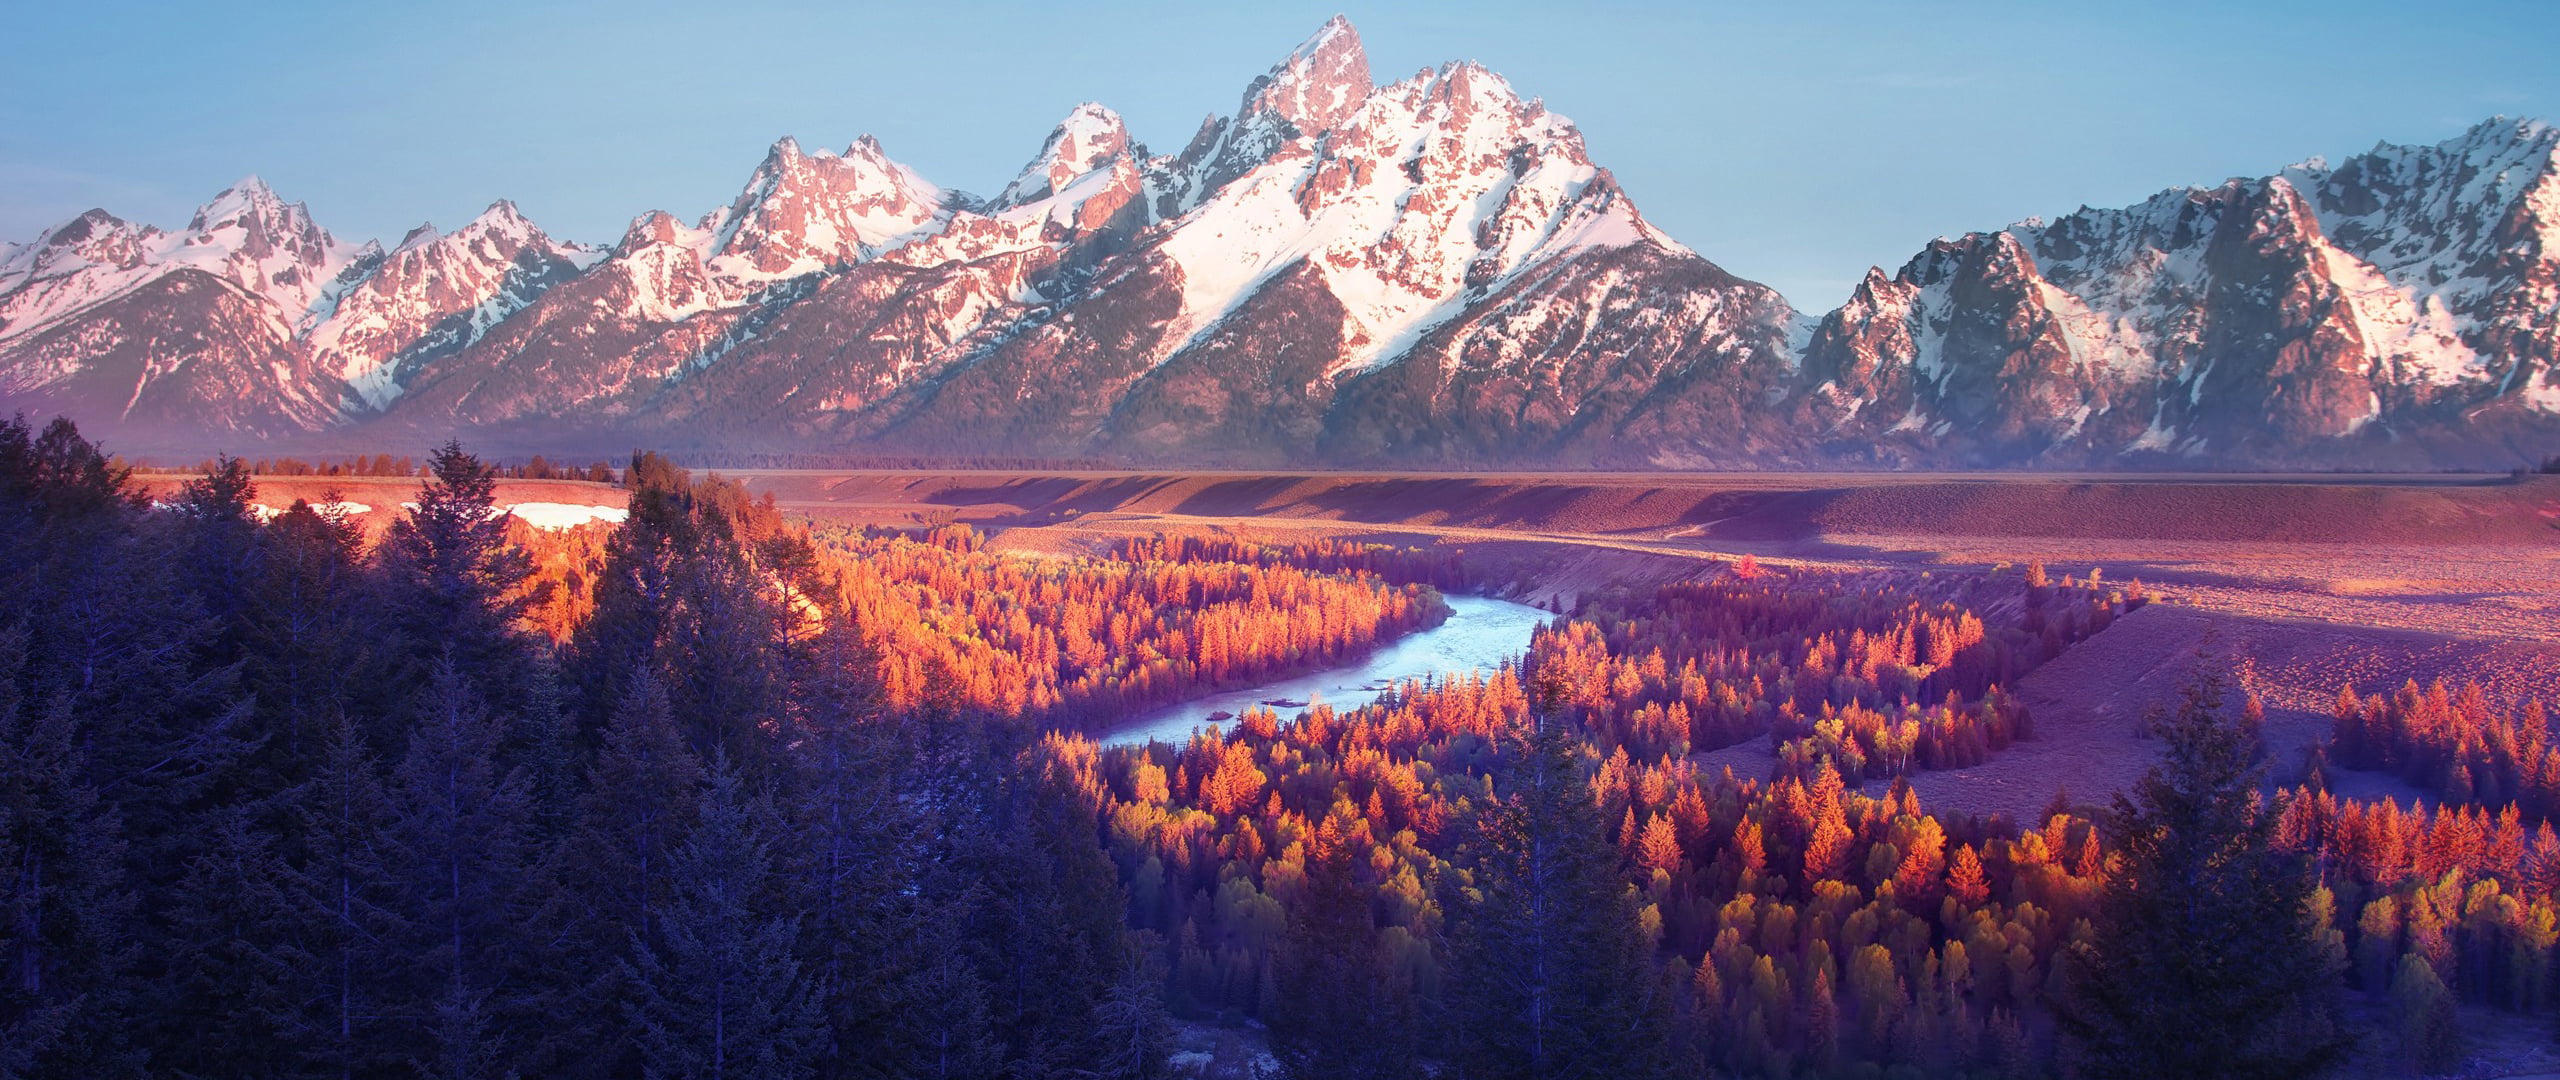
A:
(555, 516)
(342, 508)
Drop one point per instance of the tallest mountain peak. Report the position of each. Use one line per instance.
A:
(1321, 83)
(1335, 29)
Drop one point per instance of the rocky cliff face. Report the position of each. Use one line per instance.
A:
(131, 329)
(1429, 271)
(2396, 309)
(434, 295)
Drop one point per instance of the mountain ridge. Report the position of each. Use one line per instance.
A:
(1429, 271)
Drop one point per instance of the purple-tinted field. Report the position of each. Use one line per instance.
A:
(2309, 583)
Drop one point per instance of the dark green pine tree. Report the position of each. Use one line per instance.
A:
(636, 591)
(858, 848)
(311, 645)
(720, 995)
(681, 597)
(1337, 1013)
(1135, 1032)
(114, 635)
(546, 742)
(456, 583)
(1045, 920)
(242, 970)
(222, 546)
(1553, 978)
(2204, 963)
(344, 892)
(726, 679)
(475, 894)
(67, 927)
(922, 1012)
(111, 647)
(637, 808)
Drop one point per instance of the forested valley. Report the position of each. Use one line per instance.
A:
(717, 793)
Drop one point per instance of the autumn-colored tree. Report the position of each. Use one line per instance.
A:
(1964, 878)
(1659, 847)
(1341, 1012)
(1235, 785)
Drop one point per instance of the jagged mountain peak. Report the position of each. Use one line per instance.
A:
(250, 203)
(2516, 129)
(250, 190)
(2329, 308)
(1432, 269)
(656, 227)
(502, 213)
(432, 295)
(89, 225)
(504, 221)
(501, 218)
(1091, 137)
(1320, 84)
(1431, 196)
(805, 212)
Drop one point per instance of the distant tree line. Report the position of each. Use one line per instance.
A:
(535, 468)
(732, 459)
(2452, 744)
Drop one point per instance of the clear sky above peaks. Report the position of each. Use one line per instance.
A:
(1794, 143)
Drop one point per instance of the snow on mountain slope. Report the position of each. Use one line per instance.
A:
(1089, 139)
(1436, 189)
(1432, 270)
(845, 281)
(175, 355)
(2458, 243)
(2296, 317)
(264, 246)
(806, 213)
(1319, 86)
(597, 346)
(91, 258)
(1627, 355)
(437, 293)
(1444, 217)
(139, 330)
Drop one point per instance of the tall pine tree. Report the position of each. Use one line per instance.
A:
(637, 809)
(2205, 962)
(67, 932)
(474, 892)
(1553, 973)
(720, 995)
(1338, 1013)
(456, 582)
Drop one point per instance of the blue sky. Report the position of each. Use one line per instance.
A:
(1794, 143)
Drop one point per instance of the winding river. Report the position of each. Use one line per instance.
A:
(1480, 635)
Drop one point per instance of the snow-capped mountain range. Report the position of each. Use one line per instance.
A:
(1428, 271)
